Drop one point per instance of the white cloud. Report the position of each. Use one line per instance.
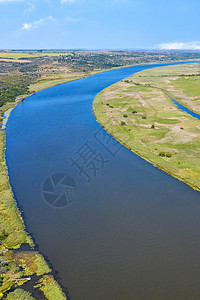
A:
(29, 26)
(180, 46)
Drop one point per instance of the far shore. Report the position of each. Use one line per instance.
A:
(139, 114)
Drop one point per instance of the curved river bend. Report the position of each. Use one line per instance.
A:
(132, 231)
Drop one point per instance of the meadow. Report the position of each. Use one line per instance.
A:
(30, 54)
(139, 113)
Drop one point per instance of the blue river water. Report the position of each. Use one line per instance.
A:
(112, 225)
(183, 108)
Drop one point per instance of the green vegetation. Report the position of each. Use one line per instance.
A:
(13, 85)
(12, 230)
(31, 54)
(50, 288)
(182, 83)
(155, 128)
(19, 294)
(32, 263)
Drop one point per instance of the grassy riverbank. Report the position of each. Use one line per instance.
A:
(139, 113)
(182, 82)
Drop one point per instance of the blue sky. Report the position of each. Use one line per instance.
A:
(99, 24)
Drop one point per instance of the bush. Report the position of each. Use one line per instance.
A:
(162, 154)
(123, 123)
(134, 112)
(19, 294)
(144, 117)
(153, 126)
(125, 116)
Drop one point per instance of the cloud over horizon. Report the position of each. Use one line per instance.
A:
(180, 46)
(33, 25)
(100, 24)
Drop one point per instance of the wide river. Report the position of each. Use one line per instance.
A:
(123, 229)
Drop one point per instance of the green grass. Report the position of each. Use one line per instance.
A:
(31, 54)
(32, 262)
(19, 294)
(12, 85)
(158, 126)
(180, 82)
(11, 223)
(50, 288)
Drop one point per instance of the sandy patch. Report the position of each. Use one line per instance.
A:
(15, 60)
(176, 135)
(5, 119)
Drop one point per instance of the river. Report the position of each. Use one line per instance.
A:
(112, 225)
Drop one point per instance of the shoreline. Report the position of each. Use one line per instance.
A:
(6, 116)
(100, 116)
(147, 159)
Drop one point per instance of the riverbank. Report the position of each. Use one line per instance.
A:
(139, 114)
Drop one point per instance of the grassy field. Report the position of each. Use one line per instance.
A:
(19, 294)
(139, 113)
(30, 54)
(181, 82)
(50, 288)
(12, 229)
